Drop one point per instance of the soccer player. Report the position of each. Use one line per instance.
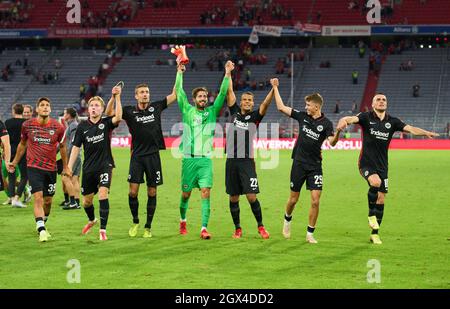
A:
(144, 123)
(4, 138)
(14, 127)
(95, 136)
(314, 129)
(27, 111)
(40, 137)
(378, 127)
(199, 124)
(240, 171)
(72, 184)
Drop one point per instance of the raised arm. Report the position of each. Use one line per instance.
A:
(419, 131)
(231, 96)
(182, 99)
(109, 110)
(116, 92)
(172, 97)
(265, 104)
(345, 121)
(278, 100)
(218, 102)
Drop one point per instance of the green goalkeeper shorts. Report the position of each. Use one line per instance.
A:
(196, 173)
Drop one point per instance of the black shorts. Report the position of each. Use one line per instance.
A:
(41, 180)
(367, 171)
(91, 181)
(240, 177)
(149, 165)
(300, 174)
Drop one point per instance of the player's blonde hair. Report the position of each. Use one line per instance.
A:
(97, 98)
(140, 86)
(248, 93)
(315, 98)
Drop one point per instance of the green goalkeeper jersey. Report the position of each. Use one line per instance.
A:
(198, 125)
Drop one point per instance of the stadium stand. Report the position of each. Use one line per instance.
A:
(162, 13)
(156, 67)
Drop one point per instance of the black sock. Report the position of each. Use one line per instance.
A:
(40, 224)
(310, 229)
(133, 202)
(66, 197)
(104, 213)
(379, 212)
(371, 210)
(288, 219)
(77, 200)
(151, 207)
(72, 200)
(234, 209)
(372, 197)
(90, 212)
(46, 217)
(256, 209)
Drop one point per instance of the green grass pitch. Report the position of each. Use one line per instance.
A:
(415, 233)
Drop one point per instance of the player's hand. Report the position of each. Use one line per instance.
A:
(116, 91)
(11, 167)
(342, 125)
(181, 68)
(432, 134)
(229, 66)
(274, 82)
(67, 172)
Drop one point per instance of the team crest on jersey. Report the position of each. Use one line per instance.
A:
(366, 173)
(206, 114)
(387, 125)
(101, 126)
(320, 128)
(51, 132)
(151, 109)
(247, 117)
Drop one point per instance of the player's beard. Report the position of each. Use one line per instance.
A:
(201, 107)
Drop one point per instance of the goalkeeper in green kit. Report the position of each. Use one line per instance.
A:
(199, 123)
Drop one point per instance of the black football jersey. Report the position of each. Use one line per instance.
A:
(312, 133)
(241, 133)
(145, 128)
(377, 135)
(96, 141)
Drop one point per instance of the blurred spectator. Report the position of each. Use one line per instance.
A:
(354, 108)
(193, 65)
(355, 75)
(325, 64)
(337, 107)
(279, 66)
(82, 91)
(58, 64)
(416, 89)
